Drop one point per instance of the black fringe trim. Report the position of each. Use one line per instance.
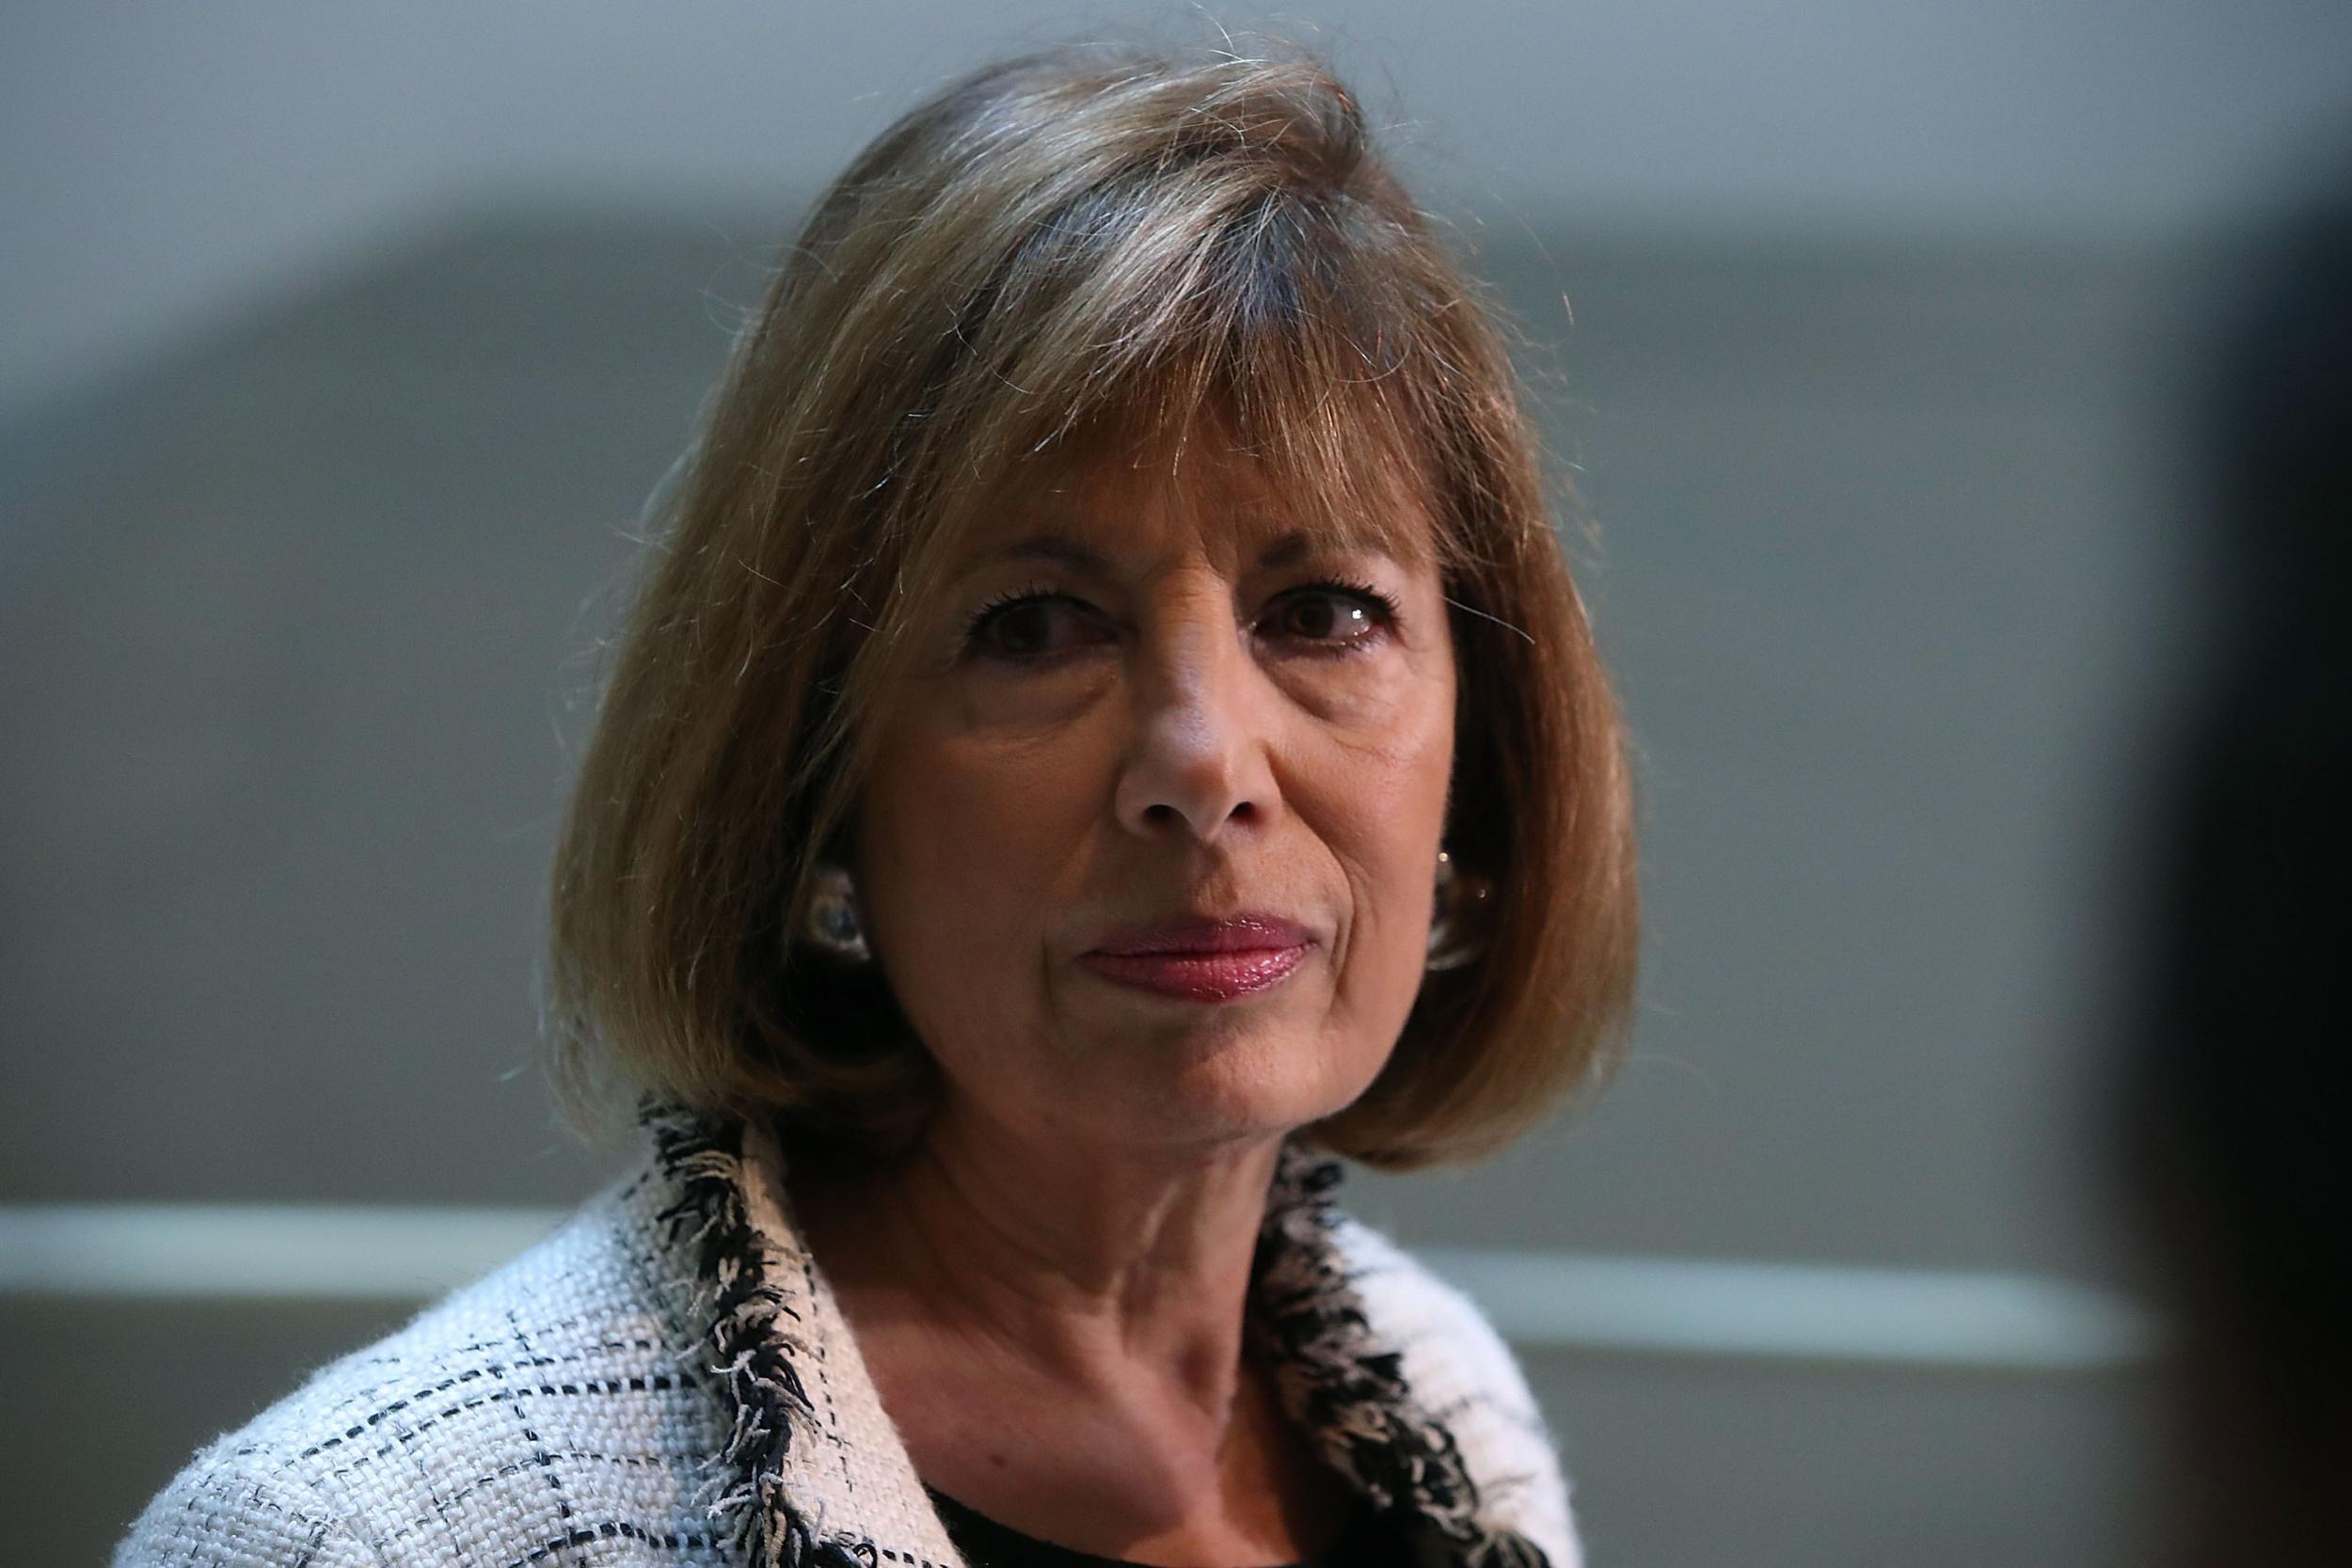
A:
(743, 1319)
(1348, 1393)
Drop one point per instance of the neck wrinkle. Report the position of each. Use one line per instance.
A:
(1085, 1281)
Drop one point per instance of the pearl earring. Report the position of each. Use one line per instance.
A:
(832, 925)
(1459, 896)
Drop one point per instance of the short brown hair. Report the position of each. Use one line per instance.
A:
(1089, 245)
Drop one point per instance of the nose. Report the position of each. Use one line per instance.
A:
(1197, 760)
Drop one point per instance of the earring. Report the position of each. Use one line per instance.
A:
(1459, 897)
(831, 923)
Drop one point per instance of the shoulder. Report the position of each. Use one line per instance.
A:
(1462, 1375)
(550, 1404)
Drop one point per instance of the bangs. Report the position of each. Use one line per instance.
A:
(1205, 318)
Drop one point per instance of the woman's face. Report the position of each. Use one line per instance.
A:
(1154, 721)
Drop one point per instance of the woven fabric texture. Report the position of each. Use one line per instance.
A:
(630, 1392)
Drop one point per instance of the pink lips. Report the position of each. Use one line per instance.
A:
(1203, 960)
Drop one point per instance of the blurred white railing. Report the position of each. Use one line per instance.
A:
(1539, 1301)
(1800, 1311)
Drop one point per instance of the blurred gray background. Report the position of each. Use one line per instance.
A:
(339, 347)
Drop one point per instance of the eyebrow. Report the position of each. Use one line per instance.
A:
(1286, 549)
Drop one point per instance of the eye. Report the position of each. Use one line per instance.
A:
(1021, 628)
(1344, 617)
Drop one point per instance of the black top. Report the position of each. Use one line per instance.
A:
(1368, 1540)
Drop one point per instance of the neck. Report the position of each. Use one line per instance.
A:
(1089, 1266)
(1055, 1328)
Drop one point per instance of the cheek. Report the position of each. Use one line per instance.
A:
(1382, 802)
(960, 846)
(1393, 854)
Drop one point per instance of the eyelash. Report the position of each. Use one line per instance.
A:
(1384, 607)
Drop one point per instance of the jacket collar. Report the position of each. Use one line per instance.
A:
(812, 1475)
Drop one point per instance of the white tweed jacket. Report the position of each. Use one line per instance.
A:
(667, 1379)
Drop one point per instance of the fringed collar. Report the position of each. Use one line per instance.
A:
(760, 1315)
(1345, 1387)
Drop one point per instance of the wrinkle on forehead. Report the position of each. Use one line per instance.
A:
(1093, 492)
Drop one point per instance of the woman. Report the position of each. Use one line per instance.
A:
(1107, 725)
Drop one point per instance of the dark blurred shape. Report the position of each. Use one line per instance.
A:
(2241, 1100)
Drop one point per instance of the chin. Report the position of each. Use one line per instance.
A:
(1244, 1092)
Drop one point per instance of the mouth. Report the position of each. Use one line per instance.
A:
(1199, 958)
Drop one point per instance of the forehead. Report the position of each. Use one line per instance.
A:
(1097, 506)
